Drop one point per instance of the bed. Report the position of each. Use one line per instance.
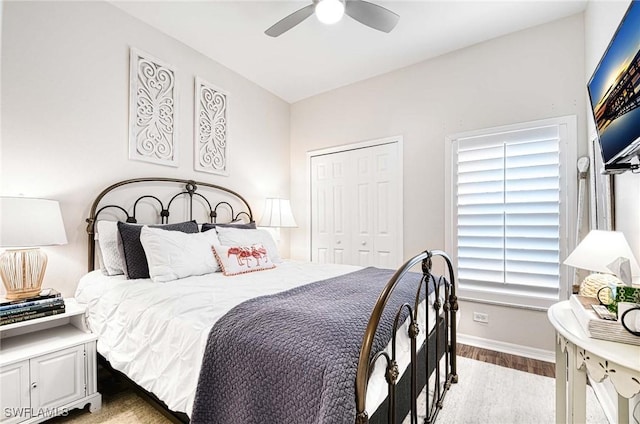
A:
(295, 342)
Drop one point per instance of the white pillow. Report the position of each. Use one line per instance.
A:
(244, 237)
(173, 254)
(110, 255)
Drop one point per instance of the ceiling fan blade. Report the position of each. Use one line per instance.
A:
(371, 15)
(288, 22)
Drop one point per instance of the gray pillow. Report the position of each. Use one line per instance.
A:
(250, 226)
(135, 260)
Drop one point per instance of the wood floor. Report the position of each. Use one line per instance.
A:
(546, 369)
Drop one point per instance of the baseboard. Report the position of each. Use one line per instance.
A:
(510, 348)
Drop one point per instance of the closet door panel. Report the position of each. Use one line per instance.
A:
(321, 194)
(331, 240)
(340, 209)
(362, 202)
(387, 205)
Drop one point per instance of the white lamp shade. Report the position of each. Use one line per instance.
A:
(28, 222)
(277, 213)
(599, 249)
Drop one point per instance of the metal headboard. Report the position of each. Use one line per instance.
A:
(188, 191)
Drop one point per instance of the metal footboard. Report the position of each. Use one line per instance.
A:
(445, 323)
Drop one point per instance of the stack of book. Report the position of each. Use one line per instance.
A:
(596, 327)
(48, 302)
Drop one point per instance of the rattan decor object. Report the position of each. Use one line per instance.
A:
(594, 282)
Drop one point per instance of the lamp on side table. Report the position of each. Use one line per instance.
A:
(277, 214)
(25, 225)
(607, 253)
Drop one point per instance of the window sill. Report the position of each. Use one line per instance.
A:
(521, 300)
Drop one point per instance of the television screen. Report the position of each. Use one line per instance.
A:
(614, 92)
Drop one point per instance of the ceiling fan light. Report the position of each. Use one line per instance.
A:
(329, 11)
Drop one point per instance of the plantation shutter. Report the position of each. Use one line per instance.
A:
(508, 211)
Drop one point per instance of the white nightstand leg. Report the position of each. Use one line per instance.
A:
(623, 410)
(577, 388)
(561, 384)
(96, 403)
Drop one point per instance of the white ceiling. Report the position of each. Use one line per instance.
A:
(313, 58)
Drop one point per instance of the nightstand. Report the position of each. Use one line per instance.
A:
(577, 355)
(47, 367)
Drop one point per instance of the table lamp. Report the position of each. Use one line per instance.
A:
(608, 254)
(277, 214)
(25, 225)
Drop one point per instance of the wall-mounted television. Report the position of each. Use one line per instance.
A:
(614, 92)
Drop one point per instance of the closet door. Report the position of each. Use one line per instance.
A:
(356, 207)
(329, 217)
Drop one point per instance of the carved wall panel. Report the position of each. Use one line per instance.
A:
(152, 110)
(211, 148)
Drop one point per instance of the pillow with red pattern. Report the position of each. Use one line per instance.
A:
(236, 260)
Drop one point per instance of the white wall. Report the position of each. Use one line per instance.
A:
(529, 75)
(601, 21)
(65, 97)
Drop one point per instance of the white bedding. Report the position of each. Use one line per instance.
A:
(156, 333)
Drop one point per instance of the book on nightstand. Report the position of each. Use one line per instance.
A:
(48, 302)
(596, 327)
(42, 296)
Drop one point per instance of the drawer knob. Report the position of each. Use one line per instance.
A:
(34, 385)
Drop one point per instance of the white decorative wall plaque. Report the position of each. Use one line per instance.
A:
(152, 110)
(211, 141)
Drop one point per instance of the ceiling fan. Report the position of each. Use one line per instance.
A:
(331, 11)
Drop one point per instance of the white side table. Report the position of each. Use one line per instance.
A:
(47, 367)
(578, 354)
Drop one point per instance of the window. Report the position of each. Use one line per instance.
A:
(507, 226)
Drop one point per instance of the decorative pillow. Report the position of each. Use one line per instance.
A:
(110, 256)
(236, 260)
(135, 260)
(239, 237)
(236, 224)
(173, 254)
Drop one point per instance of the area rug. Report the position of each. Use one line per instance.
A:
(485, 394)
(491, 394)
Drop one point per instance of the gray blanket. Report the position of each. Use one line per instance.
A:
(291, 357)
